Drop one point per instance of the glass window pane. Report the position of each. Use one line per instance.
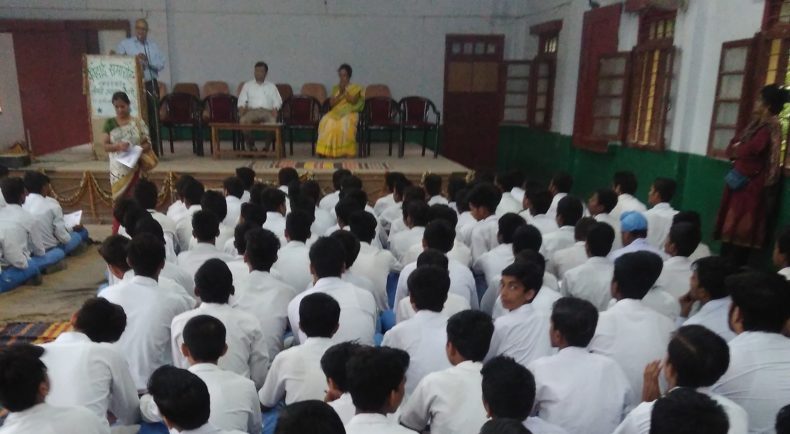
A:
(540, 116)
(731, 86)
(516, 114)
(607, 107)
(480, 48)
(468, 48)
(722, 137)
(540, 102)
(784, 12)
(612, 86)
(543, 85)
(517, 85)
(456, 48)
(543, 69)
(735, 59)
(513, 99)
(613, 66)
(491, 48)
(727, 114)
(518, 70)
(606, 127)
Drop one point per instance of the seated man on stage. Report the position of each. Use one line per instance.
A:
(259, 101)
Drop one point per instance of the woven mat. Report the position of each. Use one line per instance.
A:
(325, 165)
(31, 332)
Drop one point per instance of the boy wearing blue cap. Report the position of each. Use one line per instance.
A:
(633, 226)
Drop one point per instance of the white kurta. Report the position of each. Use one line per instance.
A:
(296, 374)
(591, 281)
(715, 315)
(462, 282)
(47, 419)
(293, 264)
(522, 334)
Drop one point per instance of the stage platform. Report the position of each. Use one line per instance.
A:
(82, 182)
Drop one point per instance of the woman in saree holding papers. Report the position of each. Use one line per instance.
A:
(124, 137)
(337, 131)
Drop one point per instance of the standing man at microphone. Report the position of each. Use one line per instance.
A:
(152, 61)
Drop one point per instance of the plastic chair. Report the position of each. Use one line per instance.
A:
(316, 90)
(415, 116)
(377, 90)
(379, 114)
(178, 110)
(190, 88)
(215, 87)
(300, 112)
(222, 107)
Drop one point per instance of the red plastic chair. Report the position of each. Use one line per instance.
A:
(379, 114)
(179, 110)
(222, 108)
(415, 115)
(300, 112)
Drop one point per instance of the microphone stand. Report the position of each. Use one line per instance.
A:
(153, 93)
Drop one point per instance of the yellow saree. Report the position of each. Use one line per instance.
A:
(337, 131)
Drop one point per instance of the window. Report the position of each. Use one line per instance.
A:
(729, 115)
(543, 75)
(517, 91)
(777, 14)
(610, 97)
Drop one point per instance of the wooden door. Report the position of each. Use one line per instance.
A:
(473, 98)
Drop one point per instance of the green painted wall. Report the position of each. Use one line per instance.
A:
(540, 154)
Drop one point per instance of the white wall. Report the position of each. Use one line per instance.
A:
(11, 129)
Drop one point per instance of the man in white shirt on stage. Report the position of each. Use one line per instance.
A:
(259, 101)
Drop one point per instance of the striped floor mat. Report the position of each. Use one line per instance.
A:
(325, 165)
(34, 333)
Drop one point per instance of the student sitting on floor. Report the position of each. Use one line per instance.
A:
(559, 187)
(293, 258)
(205, 229)
(682, 240)
(214, 201)
(394, 212)
(508, 182)
(659, 217)
(572, 256)
(504, 426)
(86, 370)
(569, 212)
(460, 252)
(273, 201)
(388, 200)
(633, 228)
(171, 270)
(547, 295)
(192, 194)
(146, 194)
(601, 204)
(309, 417)
(685, 411)
(351, 247)
(49, 215)
(233, 190)
(416, 217)
(17, 267)
(450, 401)
(296, 373)
(329, 201)
(333, 363)
(372, 262)
(454, 304)
(781, 254)
(178, 209)
(693, 217)
(709, 291)
(536, 205)
(483, 201)
(398, 220)
(323, 218)
(376, 384)
(624, 183)
(134, 214)
(24, 386)
(433, 189)
(491, 263)
(580, 391)
(592, 280)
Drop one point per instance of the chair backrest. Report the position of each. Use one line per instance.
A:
(416, 108)
(220, 107)
(190, 88)
(376, 90)
(286, 91)
(301, 109)
(380, 110)
(179, 108)
(316, 90)
(215, 87)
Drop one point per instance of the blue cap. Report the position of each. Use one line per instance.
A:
(631, 221)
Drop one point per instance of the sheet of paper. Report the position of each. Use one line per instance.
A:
(130, 157)
(72, 219)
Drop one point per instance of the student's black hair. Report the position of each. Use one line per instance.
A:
(455, 184)
(148, 225)
(181, 397)
(526, 237)
(626, 181)
(712, 272)
(508, 388)
(122, 206)
(783, 420)
(529, 274)
(346, 67)
(247, 176)
(286, 175)
(391, 178)
(205, 226)
(204, 336)
(508, 224)
(182, 182)
(462, 200)
(3, 171)
(309, 417)
(327, 257)
(100, 320)
(774, 97)
(637, 272)
(607, 198)
(470, 333)
(563, 182)
(146, 255)
(528, 256)
(433, 258)
(374, 373)
(692, 217)
(686, 238)
(21, 375)
(600, 238)
(193, 192)
(13, 189)
(502, 425)
(297, 225)
(334, 362)
(214, 201)
(114, 250)
(401, 186)
(481, 176)
(345, 208)
(35, 181)
(214, 282)
(575, 319)
(272, 199)
(443, 212)
(571, 210)
(411, 193)
(583, 227)
(417, 210)
(261, 248)
(783, 242)
(699, 356)
(351, 182)
(240, 233)
(510, 179)
(254, 213)
(319, 315)
(146, 193)
(665, 187)
(363, 225)
(132, 216)
(485, 195)
(439, 235)
(762, 299)
(234, 186)
(540, 201)
(350, 245)
(337, 178)
(686, 411)
(355, 194)
(428, 288)
(311, 189)
(433, 184)
(305, 205)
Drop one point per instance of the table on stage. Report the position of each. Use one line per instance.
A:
(277, 129)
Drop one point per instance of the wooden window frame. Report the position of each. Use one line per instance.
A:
(772, 13)
(623, 96)
(505, 78)
(545, 32)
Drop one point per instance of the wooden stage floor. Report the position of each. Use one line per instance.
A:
(82, 182)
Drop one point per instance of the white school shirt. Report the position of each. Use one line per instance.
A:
(462, 282)
(633, 335)
(662, 302)
(368, 423)
(176, 211)
(149, 310)
(591, 281)
(247, 352)
(275, 222)
(625, 203)
(523, 334)
(560, 239)
(13, 246)
(239, 270)
(266, 298)
(638, 420)
(637, 245)
(234, 210)
(615, 224)
(358, 313)
(375, 264)
(424, 337)
(536, 425)
(329, 201)
(92, 375)
(170, 231)
(581, 391)
(323, 221)
(784, 272)
(184, 228)
(555, 202)
(383, 203)
(715, 315)
(180, 276)
(508, 204)
(454, 304)
(208, 428)
(459, 252)
(21, 229)
(565, 259)
(702, 251)
(675, 277)
(191, 260)
(758, 378)
(437, 200)
(48, 219)
(491, 302)
(165, 283)
(543, 222)
(48, 419)
(293, 264)
(296, 374)
(401, 242)
(491, 263)
(483, 236)
(344, 407)
(464, 227)
(389, 215)
(256, 95)
(451, 401)
(226, 234)
(659, 221)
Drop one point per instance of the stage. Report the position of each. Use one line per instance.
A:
(82, 182)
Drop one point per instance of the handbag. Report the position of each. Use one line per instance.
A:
(736, 180)
(148, 160)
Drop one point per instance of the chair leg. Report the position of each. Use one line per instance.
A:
(291, 140)
(424, 140)
(390, 154)
(436, 143)
(312, 142)
(402, 149)
(170, 136)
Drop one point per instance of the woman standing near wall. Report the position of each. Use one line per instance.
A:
(750, 187)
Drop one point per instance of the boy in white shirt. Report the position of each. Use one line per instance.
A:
(601, 204)
(578, 390)
(233, 189)
(460, 252)
(416, 217)
(682, 240)
(433, 189)
(205, 229)
(569, 212)
(193, 193)
(424, 335)
(455, 303)
(625, 184)
(707, 288)
(247, 176)
(351, 248)
(146, 193)
(234, 401)
(523, 332)
(49, 215)
(781, 255)
(215, 202)
(592, 281)
(659, 217)
(491, 263)
(329, 201)
(333, 363)
(686, 411)
(372, 262)
(313, 417)
(483, 200)
(293, 258)
(508, 182)
(388, 200)
(171, 270)
(450, 401)
(536, 205)
(24, 386)
(559, 187)
(404, 191)
(633, 227)
(376, 383)
(693, 217)
(323, 218)
(296, 373)
(273, 202)
(178, 209)
(572, 256)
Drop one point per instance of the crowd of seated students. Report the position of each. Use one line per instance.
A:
(504, 307)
